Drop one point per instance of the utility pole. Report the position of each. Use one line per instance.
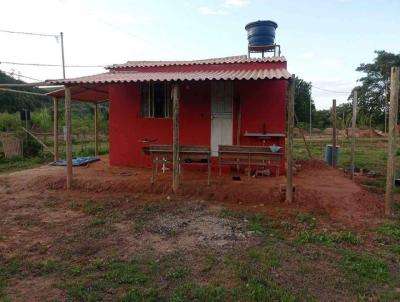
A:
(62, 53)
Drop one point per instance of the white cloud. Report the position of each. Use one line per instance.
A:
(205, 10)
(236, 3)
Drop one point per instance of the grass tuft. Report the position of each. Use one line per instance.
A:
(364, 266)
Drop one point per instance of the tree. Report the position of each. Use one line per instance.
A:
(302, 102)
(373, 93)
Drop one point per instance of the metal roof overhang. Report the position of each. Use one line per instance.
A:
(200, 75)
(84, 93)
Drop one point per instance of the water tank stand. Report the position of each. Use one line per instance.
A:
(276, 49)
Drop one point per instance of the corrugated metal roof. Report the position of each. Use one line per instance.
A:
(213, 61)
(140, 76)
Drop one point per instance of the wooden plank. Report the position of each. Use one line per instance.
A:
(55, 128)
(96, 130)
(68, 124)
(392, 135)
(334, 133)
(289, 149)
(353, 133)
(175, 138)
(38, 140)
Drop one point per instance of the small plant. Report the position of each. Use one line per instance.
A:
(364, 266)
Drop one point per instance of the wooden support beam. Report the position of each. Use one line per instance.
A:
(392, 135)
(353, 134)
(289, 148)
(175, 138)
(68, 125)
(55, 128)
(334, 133)
(96, 129)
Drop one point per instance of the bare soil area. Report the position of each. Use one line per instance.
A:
(115, 236)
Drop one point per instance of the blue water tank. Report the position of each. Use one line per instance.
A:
(261, 33)
(328, 154)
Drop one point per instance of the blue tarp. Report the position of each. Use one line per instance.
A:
(77, 161)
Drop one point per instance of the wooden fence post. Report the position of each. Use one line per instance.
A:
(289, 149)
(68, 124)
(353, 133)
(96, 130)
(55, 128)
(333, 134)
(392, 134)
(175, 138)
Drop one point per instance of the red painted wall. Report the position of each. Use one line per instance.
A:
(262, 101)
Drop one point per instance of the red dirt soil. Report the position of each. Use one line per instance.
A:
(320, 189)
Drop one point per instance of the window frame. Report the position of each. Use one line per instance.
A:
(149, 98)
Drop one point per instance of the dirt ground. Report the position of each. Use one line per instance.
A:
(319, 189)
(115, 213)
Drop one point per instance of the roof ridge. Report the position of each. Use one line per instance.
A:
(210, 61)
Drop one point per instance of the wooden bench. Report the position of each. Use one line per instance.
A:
(249, 156)
(188, 154)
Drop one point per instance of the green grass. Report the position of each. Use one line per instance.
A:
(19, 163)
(369, 153)
(391, 230)
(329, 239)
(364, 267)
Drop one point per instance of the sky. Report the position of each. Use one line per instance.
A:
(323, 40)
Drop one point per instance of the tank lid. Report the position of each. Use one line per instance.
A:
(261, 23)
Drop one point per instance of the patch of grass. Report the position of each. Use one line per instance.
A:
(19, 163)
(362, 266)
(92, 208)
(97, 221)
(391, 230)
(226, 213)
(177, 273)
(136, 295)
(257, 223)
(306, 218)
(209, 293)
(8, 269)
(329, 239)
(119, 272)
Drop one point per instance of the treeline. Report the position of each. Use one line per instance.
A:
(373, 97)
(41, 108)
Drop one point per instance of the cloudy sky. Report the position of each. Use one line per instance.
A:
(323, 40)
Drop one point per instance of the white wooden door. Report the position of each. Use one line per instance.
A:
(221, 114)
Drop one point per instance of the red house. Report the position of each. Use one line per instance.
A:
(224, 101)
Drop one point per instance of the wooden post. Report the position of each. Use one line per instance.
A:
(175, 138)
(239, 121)
(392, 134)
(333, 133)
(68, 122)
(353, 133)
(289, 149)
(55, 128)
(96, 130)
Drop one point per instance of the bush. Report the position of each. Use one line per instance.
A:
(9, 122)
